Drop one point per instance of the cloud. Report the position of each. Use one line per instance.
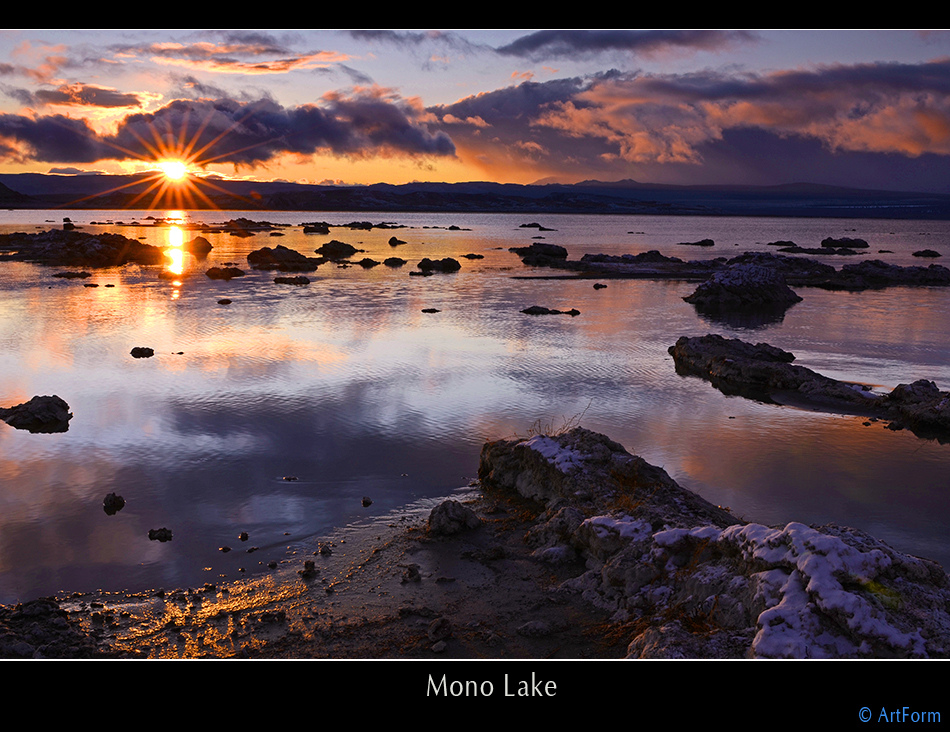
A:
(363, 123)
(573, 43)
(630, 124)
(641, 118)
(249, 52)
(86, 95)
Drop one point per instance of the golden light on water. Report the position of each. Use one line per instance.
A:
(176, 254)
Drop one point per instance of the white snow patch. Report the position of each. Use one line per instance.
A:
(562, 458)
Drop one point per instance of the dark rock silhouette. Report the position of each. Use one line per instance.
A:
(283, 259)
(42, 414)
(199, 246)
(766, 373)
(79, 249)
(845, 241)
(439, 265)
(112, 504)
(224, 273)
(142, 352)
(539, 310)
(335, 250)
(744, 289)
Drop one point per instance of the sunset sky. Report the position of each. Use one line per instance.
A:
(866, 108)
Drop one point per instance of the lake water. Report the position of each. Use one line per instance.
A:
(347, 386)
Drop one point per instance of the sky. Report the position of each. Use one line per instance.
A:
(864, 108)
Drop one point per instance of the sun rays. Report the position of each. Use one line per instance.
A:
(176, 159)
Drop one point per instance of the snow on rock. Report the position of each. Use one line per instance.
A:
(698, 582)
(564, 459)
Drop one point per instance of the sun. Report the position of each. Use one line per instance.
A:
(173, 170)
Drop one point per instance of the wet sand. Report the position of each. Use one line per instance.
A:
(387, 589)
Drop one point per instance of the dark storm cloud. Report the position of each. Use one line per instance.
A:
(622, 124)
(570, 43)
(228, 131)
(53, 138)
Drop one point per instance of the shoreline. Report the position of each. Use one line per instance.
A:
(568, 547)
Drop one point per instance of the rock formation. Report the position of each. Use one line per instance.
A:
(692, 581)
(742, 288)
(767, 373)
(282, 259)
(40, 414)
(72, 248)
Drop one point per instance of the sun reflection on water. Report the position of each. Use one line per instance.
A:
(176, 256)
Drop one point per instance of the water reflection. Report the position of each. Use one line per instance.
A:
(347, 385)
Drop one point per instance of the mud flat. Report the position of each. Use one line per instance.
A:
(569, 547)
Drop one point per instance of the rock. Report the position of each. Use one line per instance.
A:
(431, 310)
(474, 256)
(298, 280)
(366, 502)
(283, 259)
(318, 227)
(539, 254)
(142, 352)
(335, 250)
(767, 373)
(927, 253)
(42, 414)
(77, 249)
(875, 274)
(700, 243)
(72, 275)
(844, 241)
(161, 534)
(439, 629)
(394, 242)
(439, 265)
(742, 288)
(394, 262)
(539, 310)
(367, 263)
(224, 301)
(451, 517)
(199, 246)
(693, 581)
(112, 504)
(224, 273)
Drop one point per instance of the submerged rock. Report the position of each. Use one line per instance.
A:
(42, 414)
(298, 280)
(224, 273)
(540, 310)
(693, 581)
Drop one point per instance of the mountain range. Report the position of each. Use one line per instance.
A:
(43, 191)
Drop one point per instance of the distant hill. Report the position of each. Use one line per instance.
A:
(34, 190)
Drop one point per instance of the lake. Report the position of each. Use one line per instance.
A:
(277, 414)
